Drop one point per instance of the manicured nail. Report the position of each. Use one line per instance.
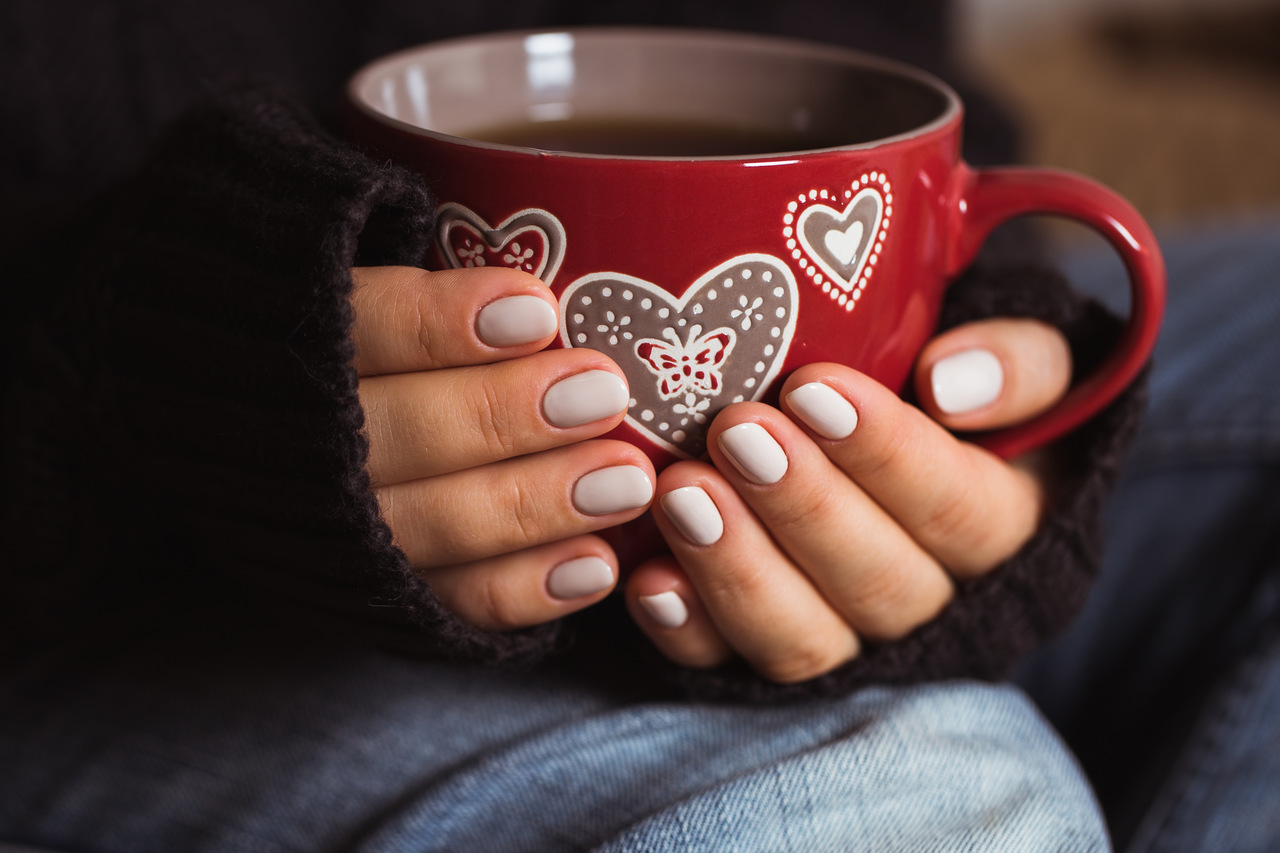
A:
(694, 514)
(665, 608)
(576, 578)
(611, 490)
(754, 453)
(824, 410)
(515, 320)
(967, 381)
(585, 398)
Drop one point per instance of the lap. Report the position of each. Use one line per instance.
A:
(194, 745)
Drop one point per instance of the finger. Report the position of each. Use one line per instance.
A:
(967, 508)
(528, 587)
(871, 570)
(408, 319)
(435, 422)
(993, 373)
(763, 606)
(664, 603)
(518, 503)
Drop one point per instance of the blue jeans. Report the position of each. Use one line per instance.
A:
(192, 745)
(1168, 685)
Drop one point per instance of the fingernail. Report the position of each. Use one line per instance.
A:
(515, 320)
(824, 410)
(584, 398)
(694, 514)
(611, 490)
(665, 608)
(967, 381)
(754, 453)
(576, 578)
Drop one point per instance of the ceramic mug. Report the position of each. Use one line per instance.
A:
(729, 207)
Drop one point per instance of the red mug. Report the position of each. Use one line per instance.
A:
(707, 273)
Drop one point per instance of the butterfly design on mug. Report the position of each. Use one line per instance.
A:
(692, 367)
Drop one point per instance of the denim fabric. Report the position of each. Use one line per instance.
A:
(1226, 787)
(1168, 664)
(194, 747)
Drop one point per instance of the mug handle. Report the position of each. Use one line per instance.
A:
(985, 198)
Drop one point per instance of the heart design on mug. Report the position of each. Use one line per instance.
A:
(845, 245)
(723, 341)
(838, 248)
(531, 240)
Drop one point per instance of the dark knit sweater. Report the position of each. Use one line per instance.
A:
(182, 440)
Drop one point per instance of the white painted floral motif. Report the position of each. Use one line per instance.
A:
(471, 254)
(516, 257)
(615, 325)
(748, 312)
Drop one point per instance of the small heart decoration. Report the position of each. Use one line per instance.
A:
(722, 341)
(531, 240)
(838, 247)
(845, 245)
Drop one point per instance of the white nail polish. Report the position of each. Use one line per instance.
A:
(585, 398)
(967, 381)
(666, 608)
(576, 578)
(824, 410)
(610, 490)
(515, 320)
(694, 514)
(754, 453)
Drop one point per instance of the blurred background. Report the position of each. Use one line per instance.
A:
(1174, 103)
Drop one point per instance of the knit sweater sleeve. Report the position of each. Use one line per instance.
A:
(999, 618)
(190, 440)
(186, 435)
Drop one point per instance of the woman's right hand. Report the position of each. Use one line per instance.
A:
(483, 449)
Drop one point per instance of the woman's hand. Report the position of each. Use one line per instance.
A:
(849, 515)
(481, 447)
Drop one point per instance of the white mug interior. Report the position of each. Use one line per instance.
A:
(825, 96)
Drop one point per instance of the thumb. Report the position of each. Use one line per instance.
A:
(992, 373)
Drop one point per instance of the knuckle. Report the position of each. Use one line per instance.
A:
(806, 503)
(416, 300)
(531, 528)
(440, 529)
(489, 417)
(802, 662)
(956, 517)
(493, 604)
(882, 602)
(739, 586)
(977, 524)
(892, 452)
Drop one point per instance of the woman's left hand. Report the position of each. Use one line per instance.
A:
(849, 514)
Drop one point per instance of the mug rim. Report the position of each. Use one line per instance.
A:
(359, 85)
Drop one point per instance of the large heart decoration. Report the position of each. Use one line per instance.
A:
(839, 247)
(531, 240)
(723, 341)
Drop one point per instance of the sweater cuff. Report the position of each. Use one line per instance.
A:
(996, 620)
(204, 350)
